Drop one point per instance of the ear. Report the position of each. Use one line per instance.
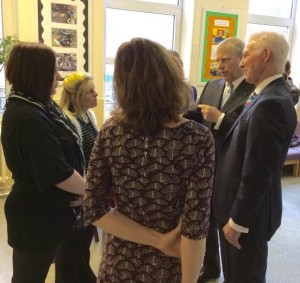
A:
(267, 54)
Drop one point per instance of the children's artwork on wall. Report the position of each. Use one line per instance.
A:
(64, 37)
(62, 13)
(67, 62)
(218, 26)
(63, 25)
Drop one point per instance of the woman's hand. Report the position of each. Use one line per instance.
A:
(121, 226)
(170, 242)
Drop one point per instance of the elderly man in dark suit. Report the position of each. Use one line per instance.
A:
(247, 198)
(221, 102)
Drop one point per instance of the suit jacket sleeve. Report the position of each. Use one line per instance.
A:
(202, 95)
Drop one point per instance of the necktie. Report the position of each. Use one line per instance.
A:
(249, 100)
(227, 92)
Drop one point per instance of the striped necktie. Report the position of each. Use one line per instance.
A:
(250, 99)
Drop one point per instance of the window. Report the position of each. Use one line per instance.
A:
(274, 8)
(272, 15)
(158, 20)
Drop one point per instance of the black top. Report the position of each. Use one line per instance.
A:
(89, 134)
(40, 153)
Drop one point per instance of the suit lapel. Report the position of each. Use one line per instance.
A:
(265, 90)
(254, 101)
(279, 81)
(239, 94)
(212, 93)
(219, 91)
(271, 84)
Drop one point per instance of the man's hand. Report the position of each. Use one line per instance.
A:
(232, 236)
(210, 113)
(170, 242)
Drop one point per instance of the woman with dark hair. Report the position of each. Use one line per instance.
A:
(159, 167)
(42, 150)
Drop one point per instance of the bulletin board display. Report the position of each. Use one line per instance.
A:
(218, 26)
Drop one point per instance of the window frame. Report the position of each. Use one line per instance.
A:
(149, 7)
(276, 21)
(146, 7)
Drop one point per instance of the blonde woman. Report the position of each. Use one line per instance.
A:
(78, 96)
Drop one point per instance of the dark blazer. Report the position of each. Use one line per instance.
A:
(212, 95)
(248, 179)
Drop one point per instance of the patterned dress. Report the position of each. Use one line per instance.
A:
(155, 181)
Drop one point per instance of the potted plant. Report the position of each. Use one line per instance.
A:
(6, 45)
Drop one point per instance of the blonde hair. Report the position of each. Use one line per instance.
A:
(74, 86)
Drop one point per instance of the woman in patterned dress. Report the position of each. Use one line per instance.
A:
(78, 96)
(159, 167)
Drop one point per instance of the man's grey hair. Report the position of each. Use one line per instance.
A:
(274, 41)
(233, 45)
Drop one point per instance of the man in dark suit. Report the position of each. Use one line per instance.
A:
(218, 114)
(247, 194)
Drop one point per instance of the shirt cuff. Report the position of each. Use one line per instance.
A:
(237, 227)
(218, 124)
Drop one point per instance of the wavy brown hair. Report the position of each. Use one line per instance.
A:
(149, 86)
(30, 69)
